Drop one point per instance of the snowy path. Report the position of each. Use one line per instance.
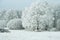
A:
(24, 35)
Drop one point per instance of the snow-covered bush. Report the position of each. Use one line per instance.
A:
(2, 24)
(15, 24)
(9, 14)
(38, 17)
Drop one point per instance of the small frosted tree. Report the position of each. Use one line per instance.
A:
(38, 17)
(15, 24)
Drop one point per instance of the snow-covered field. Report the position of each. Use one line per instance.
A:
(28, 35)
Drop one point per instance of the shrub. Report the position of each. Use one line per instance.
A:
(15, 24)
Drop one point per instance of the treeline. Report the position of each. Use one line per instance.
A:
(37, 17)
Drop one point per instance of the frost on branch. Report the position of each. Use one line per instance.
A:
(15, 24)
(38, 17)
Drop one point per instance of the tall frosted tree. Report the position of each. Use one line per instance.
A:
(38, 17)
(57, 17)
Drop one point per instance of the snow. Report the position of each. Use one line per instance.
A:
(28, 35)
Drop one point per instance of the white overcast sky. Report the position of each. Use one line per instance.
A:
(20, 4)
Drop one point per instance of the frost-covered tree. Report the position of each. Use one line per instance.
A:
(10, 14)
(2, 13)
(38, 17)
(15, 24)
(19, 13)
(56, 16)
(58, 24)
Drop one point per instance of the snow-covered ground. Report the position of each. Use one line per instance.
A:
(28, 35)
